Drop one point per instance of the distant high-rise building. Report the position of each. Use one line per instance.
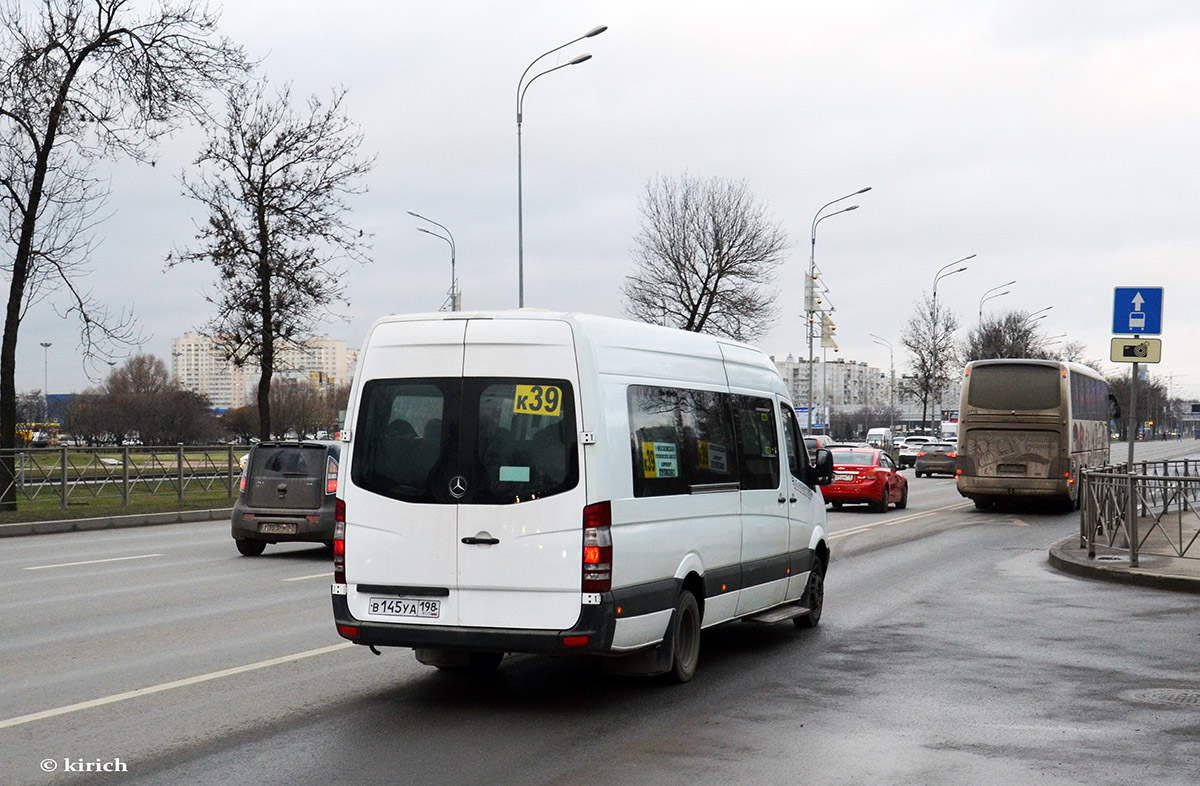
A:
(199, 365)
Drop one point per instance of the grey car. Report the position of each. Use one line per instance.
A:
(936, 458)
(288, 493)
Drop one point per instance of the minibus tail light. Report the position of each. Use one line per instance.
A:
(331, 475)
(339, 542)
(597, 547)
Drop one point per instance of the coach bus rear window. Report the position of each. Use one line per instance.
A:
(1015, 387)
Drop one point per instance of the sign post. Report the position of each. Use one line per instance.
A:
(1137, 311)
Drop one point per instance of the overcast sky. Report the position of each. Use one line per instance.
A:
(1055, 140)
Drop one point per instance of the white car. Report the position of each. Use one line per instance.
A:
(909, 447)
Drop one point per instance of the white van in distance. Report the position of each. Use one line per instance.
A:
(536, 482)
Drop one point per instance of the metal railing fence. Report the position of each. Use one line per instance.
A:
(73, 475)
(1149, 511)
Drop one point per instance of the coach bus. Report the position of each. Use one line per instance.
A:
(1027, 428)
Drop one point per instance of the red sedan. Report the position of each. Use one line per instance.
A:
(866, 475)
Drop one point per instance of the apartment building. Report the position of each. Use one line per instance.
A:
(199, 365)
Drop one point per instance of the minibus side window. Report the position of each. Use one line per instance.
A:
(681, 441)
(711, 453)
(758, 443)
(657, 430)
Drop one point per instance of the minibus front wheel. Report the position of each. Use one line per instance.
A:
(814, 596)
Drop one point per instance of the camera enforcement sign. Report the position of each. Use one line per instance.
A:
(1136, 350)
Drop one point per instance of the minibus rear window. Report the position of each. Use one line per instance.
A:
(488, 441)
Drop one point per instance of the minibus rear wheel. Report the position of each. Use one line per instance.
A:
(686, 638)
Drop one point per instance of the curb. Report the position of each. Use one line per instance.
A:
(1074, 561)
(19, 529)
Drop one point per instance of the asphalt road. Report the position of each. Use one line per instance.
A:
(949, 653)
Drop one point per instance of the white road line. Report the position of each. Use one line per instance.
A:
(313, 576)
(91, 562)
(133, 694)
(842, 533)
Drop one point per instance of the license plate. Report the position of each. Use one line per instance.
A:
(276, 528)
(843, 476)
(405, 607)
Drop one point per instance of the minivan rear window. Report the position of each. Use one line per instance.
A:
(473, 440)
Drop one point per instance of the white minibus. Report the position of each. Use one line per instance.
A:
(533, 482)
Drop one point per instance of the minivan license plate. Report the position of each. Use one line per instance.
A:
(405, 607)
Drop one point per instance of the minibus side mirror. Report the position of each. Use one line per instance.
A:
(824, 467)
(1114, 408)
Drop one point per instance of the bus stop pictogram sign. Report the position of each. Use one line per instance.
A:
(1138, 311)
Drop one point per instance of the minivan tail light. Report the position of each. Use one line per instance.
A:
(339, 542)
(597, 547)
(331, 475)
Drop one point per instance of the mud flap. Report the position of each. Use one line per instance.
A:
(648, 662)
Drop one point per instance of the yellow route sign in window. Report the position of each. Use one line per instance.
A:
(537, 400)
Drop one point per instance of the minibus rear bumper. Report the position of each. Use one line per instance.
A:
(591, 634)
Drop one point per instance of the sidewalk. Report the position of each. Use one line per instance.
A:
(1178, 574)
(112, 522)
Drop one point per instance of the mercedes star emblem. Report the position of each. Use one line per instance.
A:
(458, 486)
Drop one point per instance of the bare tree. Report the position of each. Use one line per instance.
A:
(242, 422)
(82, 80)
(929, 339)
(703, 258)
(141, 398)
(300, 407)
(274, 182)
(1010, 335)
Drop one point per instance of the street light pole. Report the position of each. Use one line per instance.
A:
(449, 238)
(1034, 315)
(46, 376)
(987, 295)
(892, 385)
(935, 392)
(810, 286)
(522, 86)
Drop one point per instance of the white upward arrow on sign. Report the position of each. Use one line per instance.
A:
(1138, 300)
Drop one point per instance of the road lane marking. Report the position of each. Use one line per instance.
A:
(91, 562)
(313, 576)
(893, 521)
(133, 694)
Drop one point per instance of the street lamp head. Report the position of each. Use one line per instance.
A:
(595, 31)
(852, 207)
(580, 59)
(863, 190)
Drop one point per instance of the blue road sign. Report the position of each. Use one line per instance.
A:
(1138, 310)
